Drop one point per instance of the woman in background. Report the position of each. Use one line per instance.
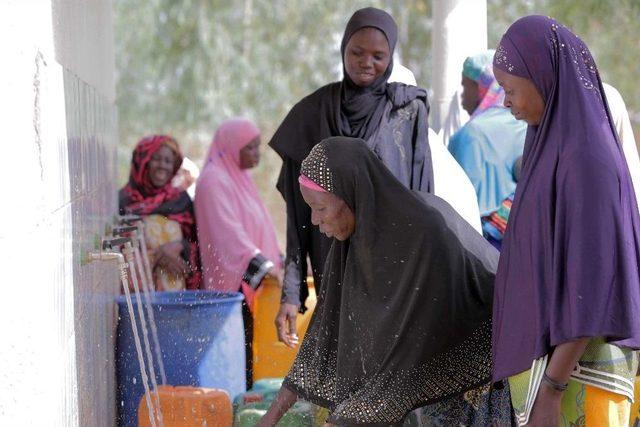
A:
(390, 117)
(237, 239)
(167, 213)
(494, 225)
(490, 142)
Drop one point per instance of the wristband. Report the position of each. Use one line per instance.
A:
(554, 385)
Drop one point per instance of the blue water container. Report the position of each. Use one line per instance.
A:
(202, 341)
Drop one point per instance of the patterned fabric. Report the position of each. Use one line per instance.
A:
(357, 358)
(144, 197)
(479, 407)
(315, 168)
(479, 68)
(495, 224)
(141, 197)
(608, 367)
(604, 369)
(487, 148)
(582, 405)
(158, 231)
(634, 419)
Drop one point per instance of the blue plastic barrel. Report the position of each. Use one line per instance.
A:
(202, 341)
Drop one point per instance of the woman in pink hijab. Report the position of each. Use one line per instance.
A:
(238, 245)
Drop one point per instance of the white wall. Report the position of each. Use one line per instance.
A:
(83, 38)
(459, 30)
(58, 114)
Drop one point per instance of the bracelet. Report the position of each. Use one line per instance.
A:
(554, 385)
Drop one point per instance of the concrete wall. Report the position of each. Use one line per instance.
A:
(459, 30)
(59, 121)
(83, 38)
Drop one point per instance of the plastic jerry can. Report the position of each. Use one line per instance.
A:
(189, 406)
(302, 414)
(271, 358)
(264, 390)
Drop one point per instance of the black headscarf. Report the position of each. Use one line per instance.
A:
(361, 108)
(320, 115)
(404, 315)
(344, 108)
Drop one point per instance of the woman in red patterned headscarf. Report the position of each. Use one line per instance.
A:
(167, 211)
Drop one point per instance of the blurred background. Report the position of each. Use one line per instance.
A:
(183, 67)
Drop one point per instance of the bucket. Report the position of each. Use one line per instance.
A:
(202, 341)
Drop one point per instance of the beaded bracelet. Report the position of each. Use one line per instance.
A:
(554, 385)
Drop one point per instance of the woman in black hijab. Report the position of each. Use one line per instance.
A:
(390, 117)
(403, 318)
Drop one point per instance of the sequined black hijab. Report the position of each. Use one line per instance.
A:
(403, 318)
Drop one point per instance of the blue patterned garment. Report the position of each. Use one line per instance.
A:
(479, 407)
(487, 148)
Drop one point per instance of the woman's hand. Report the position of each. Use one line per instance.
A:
(168, 257)
(546, 409)
(280, 405)
(286, 324)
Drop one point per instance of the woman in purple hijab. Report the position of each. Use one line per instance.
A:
(566, 315)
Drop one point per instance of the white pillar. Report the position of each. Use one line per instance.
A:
(459, 30)
(57, 315)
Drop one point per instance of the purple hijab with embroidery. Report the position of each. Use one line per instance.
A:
(570, 257)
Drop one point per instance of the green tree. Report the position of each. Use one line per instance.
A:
(183, 67)
(610, 29)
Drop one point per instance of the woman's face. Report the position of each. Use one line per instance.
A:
(330, 213)
(521, 96)
(250, 154)
(366, 56)
(470, 95)
(161, 166)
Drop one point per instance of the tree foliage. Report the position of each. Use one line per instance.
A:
(609, 28)
(185, 66)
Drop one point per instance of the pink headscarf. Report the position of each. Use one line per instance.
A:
(233, 223)
(308, 183)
